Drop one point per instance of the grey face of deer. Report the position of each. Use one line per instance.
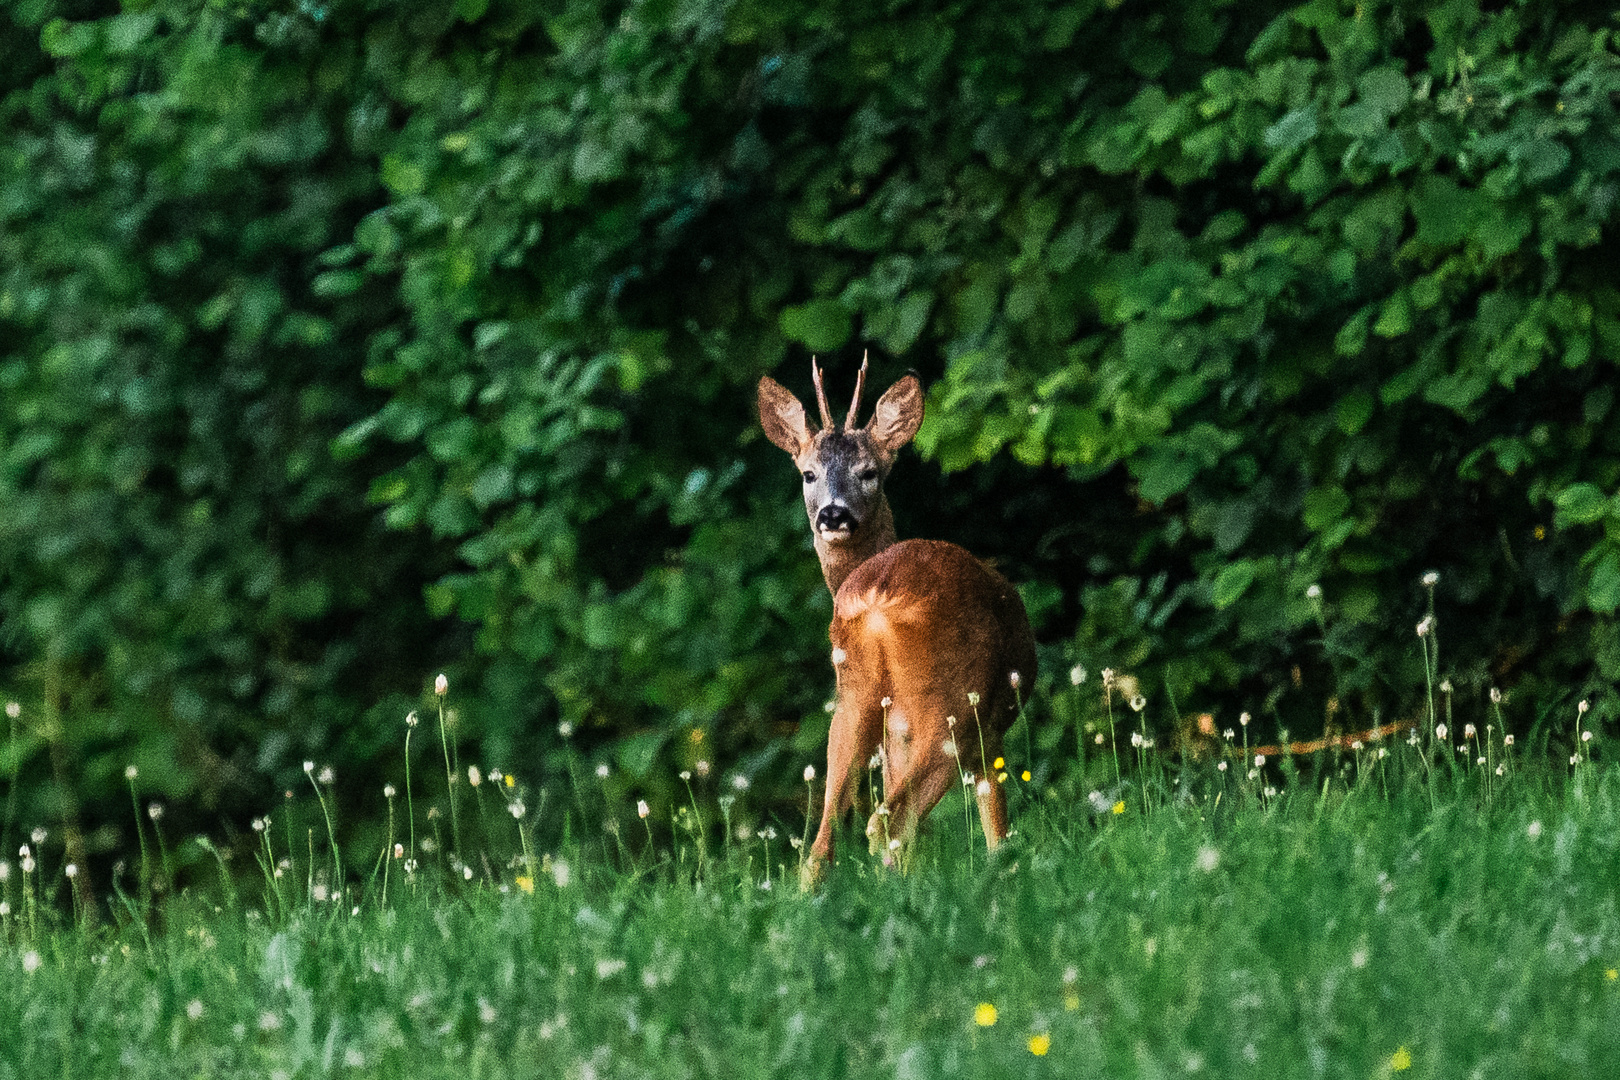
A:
(842, 468)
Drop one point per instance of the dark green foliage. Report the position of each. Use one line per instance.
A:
(311, 311)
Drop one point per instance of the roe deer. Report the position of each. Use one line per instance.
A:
(929, 643)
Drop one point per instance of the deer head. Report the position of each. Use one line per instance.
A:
(843, 467)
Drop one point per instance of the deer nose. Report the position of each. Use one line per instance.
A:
(835, 517)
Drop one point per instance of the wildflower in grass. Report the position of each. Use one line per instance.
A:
(809, 773)
(1119, 807)
(1040, 1044)
(410, 719)
(886, 702)
(517, 809)
(508, 779)
(1024, 776)
(1220, 766)
(526, 883)
(71, 870)
(973, 697)
(327, 776)
(155, 811)
(702, 769)
(1138, 703)
(31, 962)
(560, 874)
(1440, 732)
(642, 809)
(1243, 719)
(1612, 974)
(565, 729)
(1077, 675)
(1400, 1060)
(1208, 859)
(441, 685)
(194, 1010)
(602, 771)
(740, 782)
(399, 851)
(1426, 625)
(474, 775)
(1259, 760)
(984, 1014)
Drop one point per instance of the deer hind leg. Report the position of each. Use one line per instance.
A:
(857, 727)
(991, 795)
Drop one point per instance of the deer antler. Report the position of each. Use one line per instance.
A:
(855, 406)
(821, 395)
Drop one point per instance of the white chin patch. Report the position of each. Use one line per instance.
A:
(834, 536)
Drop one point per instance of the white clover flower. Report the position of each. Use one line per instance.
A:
(1314, 592)
(1077, 675)
(1220, 766)
(1243, 719)
(1014, 679)
(1507, 740)
(642, 810)
(475, 775)
(441, 685)
(194, 1010)
(702, 769)
(1580, 710)
(1138, 703)
(973, 697)
(410, 719)
(1440, 731)
(130, 772)
(602, 771)
(564, 728)
(1431, 579)
(388, 791)
(13, 710)
(327, 775)
(809, 773)
(1259, 760)
(740, 782)
(1496, 696)
(1425, 626)
(686, 776)
(1469, 730)
(517, 809)
(886, 702)
(309, 766)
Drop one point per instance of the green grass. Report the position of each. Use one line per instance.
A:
(1304, 936)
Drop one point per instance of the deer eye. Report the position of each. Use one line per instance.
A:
(809, 477)
(868, 475)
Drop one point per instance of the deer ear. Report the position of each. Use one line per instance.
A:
(782, 417)
(898, 415)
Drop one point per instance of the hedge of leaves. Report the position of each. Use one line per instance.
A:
(341, 341)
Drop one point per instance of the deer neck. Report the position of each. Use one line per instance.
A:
(838, 561)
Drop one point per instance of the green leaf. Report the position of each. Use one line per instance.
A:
(1324, 507)
(1231, 583)
(821, 325)
(1603, 589)
(1580, 504)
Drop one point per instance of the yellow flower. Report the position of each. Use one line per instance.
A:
(526, 884)
(1071, 1001)
(1025, 776)
(510, 779)
(999, 763)
(984, 1014)
(1119, 807)
(1612, 974)
(1400, 1060)
(1040, 1044)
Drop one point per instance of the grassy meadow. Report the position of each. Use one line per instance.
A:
(1402, 914)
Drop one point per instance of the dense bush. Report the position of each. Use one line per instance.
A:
(312, 312)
